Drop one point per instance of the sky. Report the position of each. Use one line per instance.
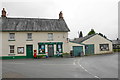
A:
(80, 15)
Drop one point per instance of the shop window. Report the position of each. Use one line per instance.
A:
(11, 48)
(59, 48)
(104, 47)
(50, 36)
(11, 36)
(42, 49)
(29, 36)
(20, 50)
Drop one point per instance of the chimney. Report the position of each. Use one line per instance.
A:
(60, 15)
(3, 13)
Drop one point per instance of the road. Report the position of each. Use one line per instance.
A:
(97, 66)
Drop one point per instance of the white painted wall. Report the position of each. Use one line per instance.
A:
(21, 40)
(96, 40)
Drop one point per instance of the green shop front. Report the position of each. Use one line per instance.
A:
(50, 48)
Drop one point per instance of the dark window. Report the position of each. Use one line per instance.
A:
(41, 49)
(20, 50)
(104, 47)
(11, 48)
(59, 48)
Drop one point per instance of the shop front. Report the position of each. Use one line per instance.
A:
(50, 48)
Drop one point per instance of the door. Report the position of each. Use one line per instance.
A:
(89, 49)
(29, 51)
(77, 50)
(50, 50)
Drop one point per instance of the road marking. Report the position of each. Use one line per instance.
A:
(15, 63)
(96, 77)
(74, 62)
(86, 70)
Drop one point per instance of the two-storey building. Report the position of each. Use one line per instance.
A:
(21, 36)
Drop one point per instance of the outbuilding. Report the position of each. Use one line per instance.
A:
(95, 44)
(77, 49)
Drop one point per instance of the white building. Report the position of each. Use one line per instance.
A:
(22, 36)
(95, 44)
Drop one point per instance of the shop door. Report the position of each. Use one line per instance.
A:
(50, 50)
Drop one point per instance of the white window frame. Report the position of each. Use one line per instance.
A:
(103, 47)
(20, 50)
(11, 36)
(50, 36)
(29, 36)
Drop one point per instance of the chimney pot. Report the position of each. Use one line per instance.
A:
(60, 15)
(3, 13)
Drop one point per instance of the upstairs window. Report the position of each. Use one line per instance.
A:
(29, 36)
(11, 36)
(104, 47)
(50, 36)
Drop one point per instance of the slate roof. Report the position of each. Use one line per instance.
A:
(80, 40)
(33, 24)
(116, 41)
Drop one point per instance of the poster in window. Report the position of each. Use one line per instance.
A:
(59, 46)
(20, 50)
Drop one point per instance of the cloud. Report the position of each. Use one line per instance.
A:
(101, 15)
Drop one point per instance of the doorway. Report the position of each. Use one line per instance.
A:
(29, 51)
(50, 50)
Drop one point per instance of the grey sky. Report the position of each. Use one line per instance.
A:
(82, 15)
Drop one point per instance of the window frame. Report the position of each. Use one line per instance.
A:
(40, 49)
(104, 45)
(60, 50)
(29, 36)
(11, 36)
(50, 36)
(18, 50)
(11, 49)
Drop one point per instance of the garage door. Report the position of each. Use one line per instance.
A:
(77, 50)
(89, 49)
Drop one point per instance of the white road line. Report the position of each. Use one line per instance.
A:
(86, 70)
(74, 62)
(14, 63)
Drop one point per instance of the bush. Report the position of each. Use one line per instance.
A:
(116, 50)
(66, 54)
(41, 56)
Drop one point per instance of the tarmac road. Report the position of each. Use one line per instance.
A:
(97, 66)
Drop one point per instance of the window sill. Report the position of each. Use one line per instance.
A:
(11, 40)
(29, 40)
(11, 54)
(50, 40)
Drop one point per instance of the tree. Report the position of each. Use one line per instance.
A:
(91, 32)
(117, 38)
(80, 34)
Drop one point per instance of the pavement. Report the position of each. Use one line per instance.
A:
(96, 66)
